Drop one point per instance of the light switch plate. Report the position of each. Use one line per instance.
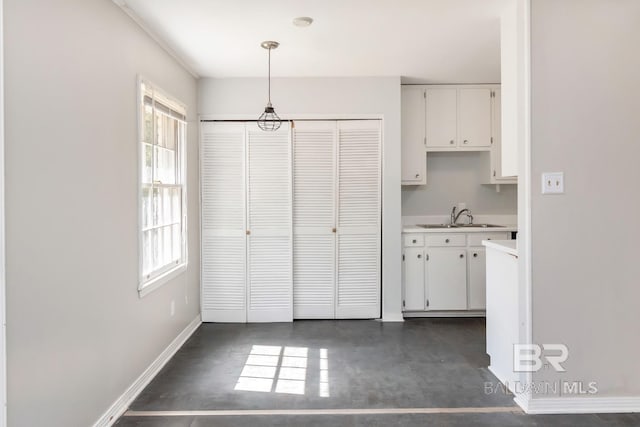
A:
(553, 183)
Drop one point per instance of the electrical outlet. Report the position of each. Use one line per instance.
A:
(172, 309)
(553, 183)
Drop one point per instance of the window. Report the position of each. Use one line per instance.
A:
(162, 188)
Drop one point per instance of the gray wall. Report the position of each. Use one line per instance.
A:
(331, 98)
(457, 177)
(586, 122)
(78, 334)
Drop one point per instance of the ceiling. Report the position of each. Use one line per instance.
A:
(424, 41)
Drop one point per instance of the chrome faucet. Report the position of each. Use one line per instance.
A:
(454, 216)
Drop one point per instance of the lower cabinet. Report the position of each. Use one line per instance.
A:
(445, 272)
(414, 291)
(446, 281)
(476, 267)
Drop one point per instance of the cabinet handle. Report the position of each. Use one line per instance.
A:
(446, 241)
(475, 255)
(451, 142)
(419, 256)
(248, 232)
(414, 241)
(333, 230)
(417, 175)
(465, 141)
(461, 255)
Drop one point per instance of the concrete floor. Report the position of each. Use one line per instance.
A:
(421, 363)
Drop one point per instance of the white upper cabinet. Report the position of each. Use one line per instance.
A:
(414, 158)
(458, 118)
(441, 118)
(496, 171)
(474, 117)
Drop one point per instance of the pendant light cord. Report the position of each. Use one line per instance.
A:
(269, 85)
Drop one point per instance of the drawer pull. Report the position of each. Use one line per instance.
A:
(446, 241)
(419, 256)
(414, 241)
(461, 255)
(451, 142)
(475, 255)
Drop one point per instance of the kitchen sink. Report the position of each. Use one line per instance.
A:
(479, 225)
(458, 225)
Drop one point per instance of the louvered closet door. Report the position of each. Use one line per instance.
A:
(222, 172)
(358, 246)
(314, 223)
(269, 222)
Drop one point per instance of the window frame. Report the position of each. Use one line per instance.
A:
(162, 275)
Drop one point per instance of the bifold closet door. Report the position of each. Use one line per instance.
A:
(359, 213)
(223, 257)
(269, 225)
(314, 226)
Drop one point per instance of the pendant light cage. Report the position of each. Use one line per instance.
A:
(269, 120)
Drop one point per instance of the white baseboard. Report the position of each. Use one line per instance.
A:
(122, 403)
(579, 405)
(444, 313)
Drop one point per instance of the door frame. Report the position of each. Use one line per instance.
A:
(3, 330)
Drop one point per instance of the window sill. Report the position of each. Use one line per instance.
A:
(156, 283)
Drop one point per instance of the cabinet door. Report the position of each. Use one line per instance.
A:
(477, 278)
(496, 147)
(414, 295)
(446, 279)
(358, 246)
(269, 273)
(414, 158)
(441, 115)
(222, 172)
(474, 118)
(314, 173)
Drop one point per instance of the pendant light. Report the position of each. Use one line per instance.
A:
(269, 120)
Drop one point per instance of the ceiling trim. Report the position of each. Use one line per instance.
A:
(163, 44)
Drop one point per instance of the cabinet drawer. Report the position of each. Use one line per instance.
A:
(475, 239)
(413, 240)
(446, 239)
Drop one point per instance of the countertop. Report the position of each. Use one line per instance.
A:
(416, 229)
(506, 246)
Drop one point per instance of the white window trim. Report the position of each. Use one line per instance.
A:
(145, 287)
